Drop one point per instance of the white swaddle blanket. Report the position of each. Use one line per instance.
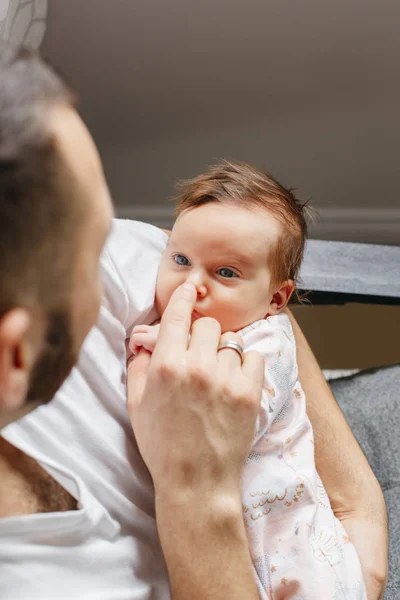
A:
(299, 549)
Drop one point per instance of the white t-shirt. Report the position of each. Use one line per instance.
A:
(108, 549)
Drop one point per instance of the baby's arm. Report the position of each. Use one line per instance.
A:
(274, 340)
(144, 336)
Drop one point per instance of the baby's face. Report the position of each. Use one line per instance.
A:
(225, 251)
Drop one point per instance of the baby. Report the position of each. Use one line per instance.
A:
(239, 237)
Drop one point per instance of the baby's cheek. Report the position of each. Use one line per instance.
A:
(160, 290)
(161, 300)
(165, 287)
(235, 314)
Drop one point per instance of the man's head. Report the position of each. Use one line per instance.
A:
(239, 236)
(55, 214)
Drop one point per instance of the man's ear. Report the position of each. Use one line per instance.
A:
(19, 348)
(281, 297)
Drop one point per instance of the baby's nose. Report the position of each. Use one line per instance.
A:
(201, 291)
(198, 280)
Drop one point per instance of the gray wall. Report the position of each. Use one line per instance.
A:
(310, 90)
(336, 160)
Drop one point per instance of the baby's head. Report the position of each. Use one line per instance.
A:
(239, 236)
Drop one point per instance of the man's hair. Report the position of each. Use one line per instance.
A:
(241, 184)
(35, 199)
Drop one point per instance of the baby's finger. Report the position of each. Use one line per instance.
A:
(139, 340)
(142, 328)
(134, 348)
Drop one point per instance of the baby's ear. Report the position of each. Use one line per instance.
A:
(281, 297)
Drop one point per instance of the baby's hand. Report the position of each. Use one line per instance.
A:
(144, 336)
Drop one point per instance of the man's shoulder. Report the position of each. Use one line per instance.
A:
(133, 236)
(129, 268)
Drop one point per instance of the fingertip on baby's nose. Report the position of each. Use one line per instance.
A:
(189, 285)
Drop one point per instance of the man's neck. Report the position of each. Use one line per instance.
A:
(9, 417)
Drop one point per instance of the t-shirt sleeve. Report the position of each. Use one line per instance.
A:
(129, 266)
(274, 339)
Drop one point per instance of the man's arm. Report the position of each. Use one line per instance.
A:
(206, 549)
(353, 489)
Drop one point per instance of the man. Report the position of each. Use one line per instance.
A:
(55, 218)
(76, 500)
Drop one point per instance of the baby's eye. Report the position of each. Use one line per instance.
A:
(227, 273)
(180, 259)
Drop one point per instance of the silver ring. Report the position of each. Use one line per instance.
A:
(233, 345)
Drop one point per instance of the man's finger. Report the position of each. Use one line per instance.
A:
(176, 321)
(204, 339)
(136, 379)
(229, 358)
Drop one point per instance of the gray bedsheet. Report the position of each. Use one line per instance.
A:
(371, 404)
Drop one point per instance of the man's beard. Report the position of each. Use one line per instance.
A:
(55, 361)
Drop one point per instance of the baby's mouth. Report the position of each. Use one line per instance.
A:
(196, 315)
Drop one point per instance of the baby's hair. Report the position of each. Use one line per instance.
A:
(240, 183)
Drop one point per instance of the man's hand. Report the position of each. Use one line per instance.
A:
(193, 411)
(368, 533)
